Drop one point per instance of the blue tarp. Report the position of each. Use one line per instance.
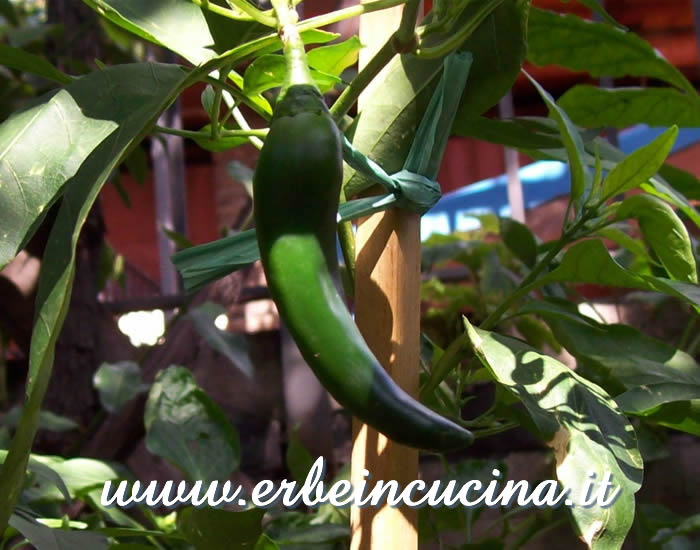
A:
(542, 181)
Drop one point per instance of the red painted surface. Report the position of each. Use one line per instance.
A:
(132, 231)
(667, 25)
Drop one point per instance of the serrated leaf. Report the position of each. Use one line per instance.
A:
(588, 431)
(592, 107)
(598, 48)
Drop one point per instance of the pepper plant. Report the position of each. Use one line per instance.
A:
(60, 150)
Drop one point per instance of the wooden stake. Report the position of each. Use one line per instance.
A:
(387, 311)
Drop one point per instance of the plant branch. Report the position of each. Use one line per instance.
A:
(455, 40)
(247, 12)
(347, 13)
(197, 135)
(350, 94)
(238, 95)
(405, 36)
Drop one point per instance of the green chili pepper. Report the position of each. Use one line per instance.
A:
(296, 188)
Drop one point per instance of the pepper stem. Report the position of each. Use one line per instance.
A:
(292, 46)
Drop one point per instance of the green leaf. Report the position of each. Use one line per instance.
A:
(498, 46)
(596, 7)
(47, 420)
(622, 352)
(683, 416)
(206, 528)
(306, 535)
(179, 25)
(588, 432)
(572, 141)
(591, 107)
(298, 458)
(656, 186)
(268, 71)
(80, 475)
(34, 169)
(222, 143)
(624, 240)
(520, 240)
(205, 263)
(597, 48)
(665, 233)
(590, 262)
(117, 384)
(511, 133)
(384, 129)
(334, 59)
(184, 426)
(639, 166)
(7, 10)
(231, 345)
(178, 239)
(266, 543)
(128, 96)
(137, 164)
(45, 538)
(44, 475)
(197, 35)
(20, 60)
(644, 399)
(682, 181)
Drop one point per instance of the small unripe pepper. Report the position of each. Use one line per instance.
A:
(296, 188)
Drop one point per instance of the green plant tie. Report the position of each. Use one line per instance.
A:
(414, 187)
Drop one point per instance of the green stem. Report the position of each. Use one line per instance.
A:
(347, 247)
(243, 123)
(195, 135)
(298, 71)
(347, 13)
(250, 49)
(495, 430)
(453, 354)
(523, 287)
(250, 11)
(238, 95)
(216, 111)
(405, 35)
(689, 329)
(455, 40)
(350, 94)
